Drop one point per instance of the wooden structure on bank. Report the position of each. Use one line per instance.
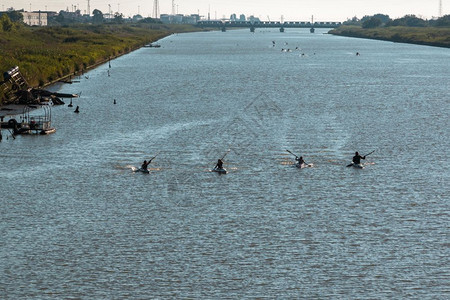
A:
(14, 89)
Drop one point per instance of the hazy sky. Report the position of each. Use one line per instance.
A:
(323, 10)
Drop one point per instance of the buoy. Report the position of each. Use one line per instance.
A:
(114, 101)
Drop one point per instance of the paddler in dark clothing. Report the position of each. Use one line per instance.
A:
(219, 164)
(300, 160)
(357, 158)
(145, 165)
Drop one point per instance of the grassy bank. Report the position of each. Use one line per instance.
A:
(431, 36)
(47, 54)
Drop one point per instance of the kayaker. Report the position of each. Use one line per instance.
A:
(145, 165)
(300, 160)
(219, 164)
(77, 110)
(357, 158)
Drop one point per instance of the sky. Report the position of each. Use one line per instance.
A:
(291, 10)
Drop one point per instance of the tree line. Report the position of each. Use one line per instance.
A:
(10, 17)
(381, 20)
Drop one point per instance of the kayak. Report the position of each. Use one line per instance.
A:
(220, 170)
(142, 170)
(302, 166)
(357, 166)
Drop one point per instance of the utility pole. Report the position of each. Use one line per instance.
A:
(89, 8)
(173, 7)
(440, 8)
(156, 9)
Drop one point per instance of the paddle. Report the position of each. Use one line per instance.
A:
(12, 134)
(153, 157)
(291, 153)
(369, 153)
(225, 154)
(349, 165)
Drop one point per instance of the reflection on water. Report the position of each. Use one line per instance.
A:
(77, 222)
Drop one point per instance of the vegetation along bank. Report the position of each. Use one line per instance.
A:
(409, 29)
(47, 54)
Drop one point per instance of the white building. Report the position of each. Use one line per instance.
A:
(35, 18)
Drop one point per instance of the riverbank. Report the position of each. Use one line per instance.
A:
(47, 55)
(430, 36)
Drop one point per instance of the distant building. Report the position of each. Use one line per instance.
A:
(108, 17)
(253, 19)
(137, 18)
(192, 19)
(35, 18)
(165, 18)
(234, 18)
(179, 19)
(70, 15)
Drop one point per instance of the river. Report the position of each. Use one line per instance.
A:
(77, 223)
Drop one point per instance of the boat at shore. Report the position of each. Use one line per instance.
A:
(29, 124)
(152, 46)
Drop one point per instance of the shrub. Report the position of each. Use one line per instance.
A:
(372, 23)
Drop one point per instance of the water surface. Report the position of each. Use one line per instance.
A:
(76, 222)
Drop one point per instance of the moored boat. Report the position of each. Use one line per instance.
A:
(152, 46)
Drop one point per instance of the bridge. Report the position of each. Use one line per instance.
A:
(267, 24)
